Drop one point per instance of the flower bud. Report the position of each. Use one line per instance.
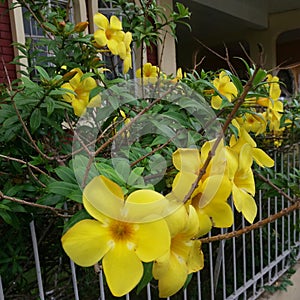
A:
(81, 26)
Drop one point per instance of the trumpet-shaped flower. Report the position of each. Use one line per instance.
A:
(243, 186)
(260, 157)
(150, 73)
(79, 97)
(110, 33)
(210, 195)
(255, 123)
(125, 52)
(225, 87)
(122, 245)
(185, 255)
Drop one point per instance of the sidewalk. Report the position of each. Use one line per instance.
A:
(292, 293)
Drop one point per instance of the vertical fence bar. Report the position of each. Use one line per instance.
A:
(1, 290)
(261, 244)
(199, 285)
(244, 259)
(101, 285)
(37, 260)
(148, 291)
(74, 280)
(211, 267)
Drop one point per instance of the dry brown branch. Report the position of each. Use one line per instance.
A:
(56, 211)
(256, 225)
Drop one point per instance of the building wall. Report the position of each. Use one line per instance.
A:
(6, 49)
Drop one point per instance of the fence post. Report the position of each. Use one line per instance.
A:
(37, 260)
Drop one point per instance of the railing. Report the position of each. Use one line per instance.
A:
(237, 268)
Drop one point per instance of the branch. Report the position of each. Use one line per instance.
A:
(238, 103)
(280, 191)
(56, 211)
(256, 225)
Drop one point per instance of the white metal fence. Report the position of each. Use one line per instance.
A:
(238, 268)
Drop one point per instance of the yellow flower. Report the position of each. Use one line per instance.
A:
(255, 123)
(150, 73)
(121, 244)
(225, 87)
(178, 76)
(210, 196)
(125, 52)
(79, 98)
(274, 87)
(110, 33)
(185, 255)
(243, 185)
(260, 157)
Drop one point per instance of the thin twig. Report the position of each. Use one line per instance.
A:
(259, 224)
(280, 191)
(56, 211)
(25, 163)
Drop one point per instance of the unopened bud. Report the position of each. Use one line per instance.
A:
(68, 76)
(81, 26)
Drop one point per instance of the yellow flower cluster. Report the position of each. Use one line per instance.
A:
(123, 238)
(79, 95)
(110, 34)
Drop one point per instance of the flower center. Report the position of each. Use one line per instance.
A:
(109, 33)
(121, 230)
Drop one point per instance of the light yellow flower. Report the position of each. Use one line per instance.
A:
(81, 89)
(243, 185)
(210, 196)
(185, 255)
(110, 33)
(150, 73)
(125, 52)
(225, 87)
(178, 76)
(274, 87)
(255, 123)
(121, 244)
(260, 157)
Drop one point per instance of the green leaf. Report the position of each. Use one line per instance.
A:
(76, 196)
(260, 76)
(147, 276)
(43, 72)
(62, 188)
(50, 104)
(30, 84)
(35, 119)
(136, 176)
(66, 174)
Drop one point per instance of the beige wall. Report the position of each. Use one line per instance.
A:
(278, 23)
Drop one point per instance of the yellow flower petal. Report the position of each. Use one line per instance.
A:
(187, 160)
(196, 258)
(122, 268)
(171, 275)
(244, 203)
(220, 212)
(245, 157)
(262, 158)
(101, 21)
(216, 102)
(153, 240)
(100, 37)
(205, 224)
(115, 23)
(145, 206)
(181, 186)
(86, 242)
(79, 107)
(177, 220)
(216, 187)
(113, 46)
(245, 180)
(105, 196)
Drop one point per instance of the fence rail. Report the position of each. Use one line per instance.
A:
(235, 269)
